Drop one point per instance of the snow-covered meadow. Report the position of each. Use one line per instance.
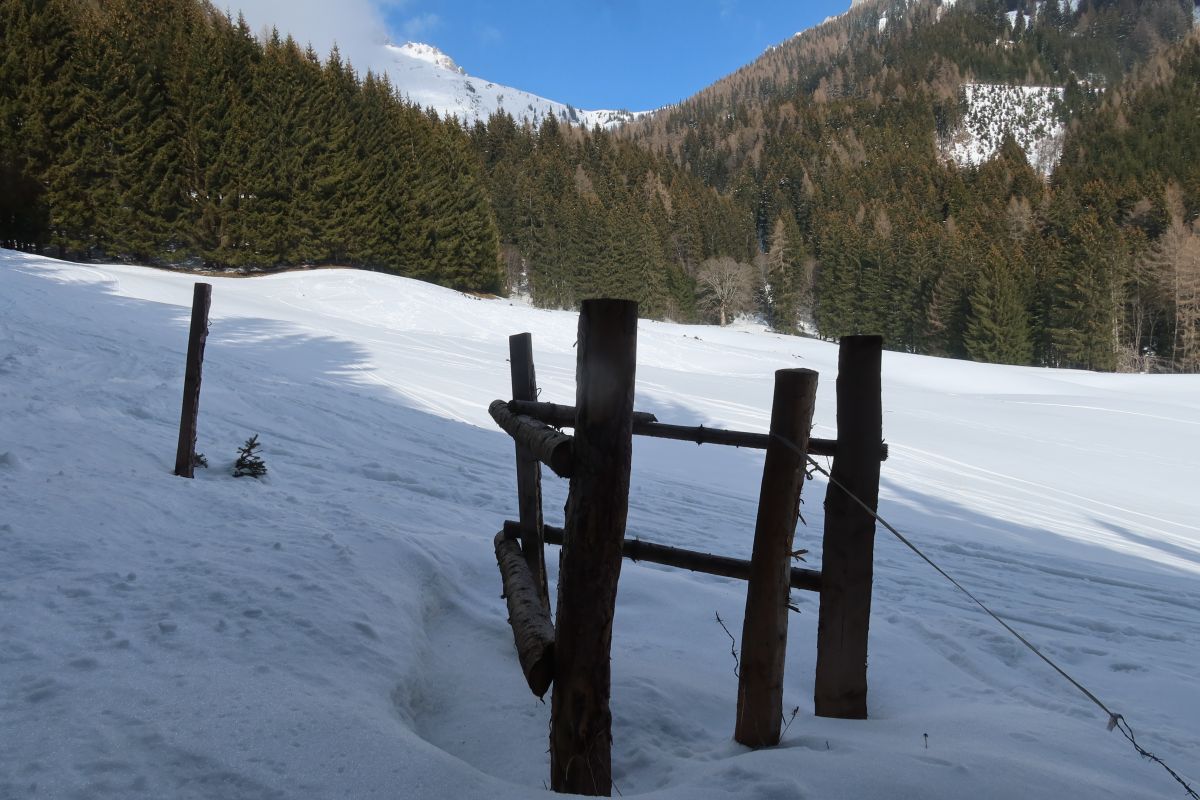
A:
(336, 630)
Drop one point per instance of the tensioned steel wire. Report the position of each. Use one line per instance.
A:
(1115, 720)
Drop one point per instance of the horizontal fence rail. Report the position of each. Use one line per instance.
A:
(640, 550)
(561, 416)
(646, 424)
(549, 446)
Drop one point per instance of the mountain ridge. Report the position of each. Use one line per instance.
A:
(432, 79)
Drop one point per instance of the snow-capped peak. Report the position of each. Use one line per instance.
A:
(430, 54)
(431, 79)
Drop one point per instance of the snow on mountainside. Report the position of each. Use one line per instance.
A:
(431, 79)
(1029, 113)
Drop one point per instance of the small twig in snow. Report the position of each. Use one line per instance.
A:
(737, 665)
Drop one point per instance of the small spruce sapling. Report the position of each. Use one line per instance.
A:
(249, 462)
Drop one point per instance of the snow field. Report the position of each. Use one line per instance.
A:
(335, 630)
(993, 110)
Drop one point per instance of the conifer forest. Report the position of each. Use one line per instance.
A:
(812, 186)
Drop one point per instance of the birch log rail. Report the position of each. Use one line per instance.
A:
(549, 446)
(533, 632)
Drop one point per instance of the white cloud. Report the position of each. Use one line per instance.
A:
(356, 26)
(489, 34)
(416, 27)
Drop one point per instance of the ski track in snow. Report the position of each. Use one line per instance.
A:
(336, 630)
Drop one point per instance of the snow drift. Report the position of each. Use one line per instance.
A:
(335, 629)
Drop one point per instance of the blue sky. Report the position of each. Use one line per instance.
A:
(633, 54)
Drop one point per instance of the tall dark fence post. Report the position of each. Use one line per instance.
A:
(529, 471)
(764, 631)
(186, 450)
(848, 550)
(590, 560)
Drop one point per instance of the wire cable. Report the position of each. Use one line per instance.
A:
(1115, 720)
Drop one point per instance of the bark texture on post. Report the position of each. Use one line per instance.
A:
(533, 632)
(764, 631)
(185, 451)
(529, 471)
(590, 560)
(848, 548)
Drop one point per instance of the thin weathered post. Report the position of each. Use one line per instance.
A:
(185, 452)
(848, 549)
(529, 471)
(590, 560)
(764, 631)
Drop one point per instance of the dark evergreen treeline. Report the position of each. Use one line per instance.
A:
(833, 144)
(162, 131)
(814, 182)
(584, 214)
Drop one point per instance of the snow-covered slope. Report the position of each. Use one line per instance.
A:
(336, 630)
(430, 78)
(1029, 113)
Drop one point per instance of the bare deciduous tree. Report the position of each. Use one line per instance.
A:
(1179, 254)
(725, 286)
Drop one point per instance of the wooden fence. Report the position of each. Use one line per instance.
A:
(572, 653)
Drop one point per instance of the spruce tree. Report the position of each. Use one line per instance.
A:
(997, 326)
(249, 463)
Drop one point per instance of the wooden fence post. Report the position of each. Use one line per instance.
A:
(848, 548)
(764, 631)
(185, 452)
(590, 560)
(529, 471)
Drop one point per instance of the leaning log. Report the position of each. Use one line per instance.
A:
(709, 564)
(533, 632)
(551, 447)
